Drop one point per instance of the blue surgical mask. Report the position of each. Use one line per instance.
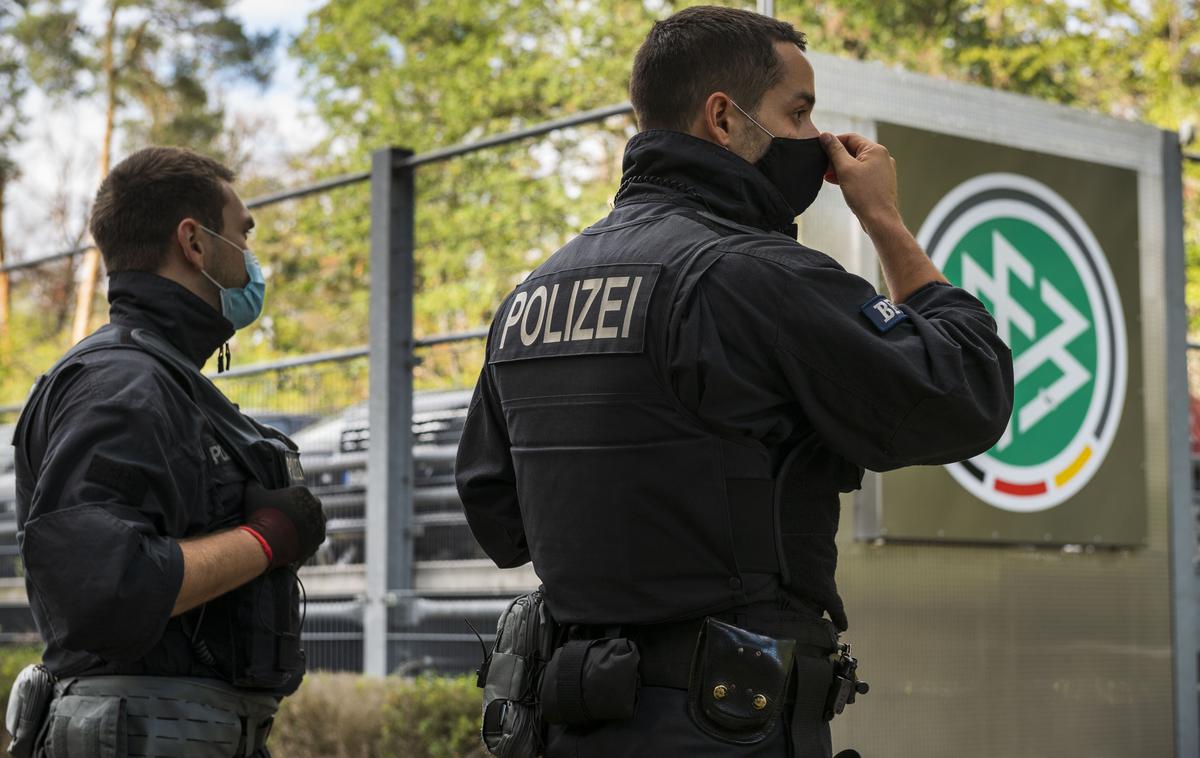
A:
(241, 305)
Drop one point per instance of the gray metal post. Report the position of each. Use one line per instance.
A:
(766, 7)
(1185, 639)
(389, 461)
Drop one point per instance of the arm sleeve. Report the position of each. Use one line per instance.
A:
(110, 488)
(934, 388)
(486, 479)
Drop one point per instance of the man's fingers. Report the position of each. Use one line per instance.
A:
(831, 176)
(854, 143)
(838, 156)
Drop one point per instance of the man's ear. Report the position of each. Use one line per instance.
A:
(187, 237)
(716, 119)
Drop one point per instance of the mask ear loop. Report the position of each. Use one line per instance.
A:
(223, 351)
(752, 119)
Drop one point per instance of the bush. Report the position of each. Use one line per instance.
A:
(348, 716)
(433, 717)
(330, 716)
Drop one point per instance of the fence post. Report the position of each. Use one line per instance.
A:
(389, 460)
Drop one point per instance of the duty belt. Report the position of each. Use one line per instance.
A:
(156, 716)
(667, 649)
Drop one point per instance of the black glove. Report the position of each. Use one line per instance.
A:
(289, 522)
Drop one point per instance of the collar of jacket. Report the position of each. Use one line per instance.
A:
(677, 167)
(141, 300)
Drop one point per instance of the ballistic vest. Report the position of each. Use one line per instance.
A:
(257, 643)
(635, 511)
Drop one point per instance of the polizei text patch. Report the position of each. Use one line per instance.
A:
(599, 309)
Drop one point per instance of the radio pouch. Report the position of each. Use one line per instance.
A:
(511, 676)
(28, 701)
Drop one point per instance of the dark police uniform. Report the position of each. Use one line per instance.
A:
(124, 449)
(671, 404)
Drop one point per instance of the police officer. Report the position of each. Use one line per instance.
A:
(159, 527)
(672, 402)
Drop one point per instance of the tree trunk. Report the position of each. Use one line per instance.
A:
(86, 291)
(4, 283)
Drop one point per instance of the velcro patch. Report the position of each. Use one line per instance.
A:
(119, 477)
(883, 313)
(582, 311)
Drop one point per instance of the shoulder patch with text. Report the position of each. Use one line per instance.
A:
(883, 313)
(582, 311)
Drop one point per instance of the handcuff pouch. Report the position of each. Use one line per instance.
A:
(738, 682)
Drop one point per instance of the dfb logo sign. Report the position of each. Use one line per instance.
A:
(1028, 255)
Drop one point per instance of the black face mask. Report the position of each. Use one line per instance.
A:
(795, 166)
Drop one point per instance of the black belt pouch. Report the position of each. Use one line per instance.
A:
(738, 682)
(588, 681)
(267, 641)
(85, 726)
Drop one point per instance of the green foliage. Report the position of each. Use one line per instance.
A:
(154, 61)
(315, 252)
(433, 717)
(37, 332)
(12, 660)
(160, 56)
(175, 49)
(332, 716)
(346, 716)
(427, 75)
(48, 32)
(13, 86)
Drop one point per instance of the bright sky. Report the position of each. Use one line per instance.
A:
(60, 155)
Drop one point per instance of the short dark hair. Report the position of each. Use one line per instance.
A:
(145, 196)
(701, 50)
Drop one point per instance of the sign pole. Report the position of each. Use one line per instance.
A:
(1185, 639)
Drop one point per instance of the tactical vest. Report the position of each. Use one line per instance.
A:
(252, 634)
(634, 510)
